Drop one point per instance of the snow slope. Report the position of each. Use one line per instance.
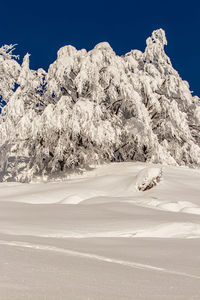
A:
(96, 236)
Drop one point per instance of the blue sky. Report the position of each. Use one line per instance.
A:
(42, 27)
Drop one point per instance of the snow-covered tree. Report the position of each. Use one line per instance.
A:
(95, 106)
(9, 72)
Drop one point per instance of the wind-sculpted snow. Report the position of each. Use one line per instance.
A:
(95, 106)
(104, 203)
(96, 236)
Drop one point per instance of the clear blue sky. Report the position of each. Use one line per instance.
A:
(42, 27)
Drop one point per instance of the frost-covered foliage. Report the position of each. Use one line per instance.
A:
(9, 72)
(95, 106)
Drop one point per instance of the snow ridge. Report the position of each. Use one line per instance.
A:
(95, 106)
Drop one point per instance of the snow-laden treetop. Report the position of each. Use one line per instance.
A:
(95, 106)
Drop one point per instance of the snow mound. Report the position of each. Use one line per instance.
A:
(148, 177)
(184, 206)
(168, 205)
(171, 230)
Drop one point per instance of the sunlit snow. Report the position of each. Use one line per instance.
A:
(96, 236)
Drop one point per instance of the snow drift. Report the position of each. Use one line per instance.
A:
(92, 107)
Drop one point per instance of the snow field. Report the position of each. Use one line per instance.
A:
(96, 236)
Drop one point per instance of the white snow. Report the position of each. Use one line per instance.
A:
(118, 231)
(96, 236)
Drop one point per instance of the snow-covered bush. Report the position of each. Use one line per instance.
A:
(95, 106)
(148, 178)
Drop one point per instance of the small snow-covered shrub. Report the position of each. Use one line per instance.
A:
(148, 178)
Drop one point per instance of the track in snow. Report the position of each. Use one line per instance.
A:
(129, 264)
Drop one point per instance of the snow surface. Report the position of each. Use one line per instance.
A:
(96, 236)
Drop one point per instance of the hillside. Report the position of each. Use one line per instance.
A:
(97, 236)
